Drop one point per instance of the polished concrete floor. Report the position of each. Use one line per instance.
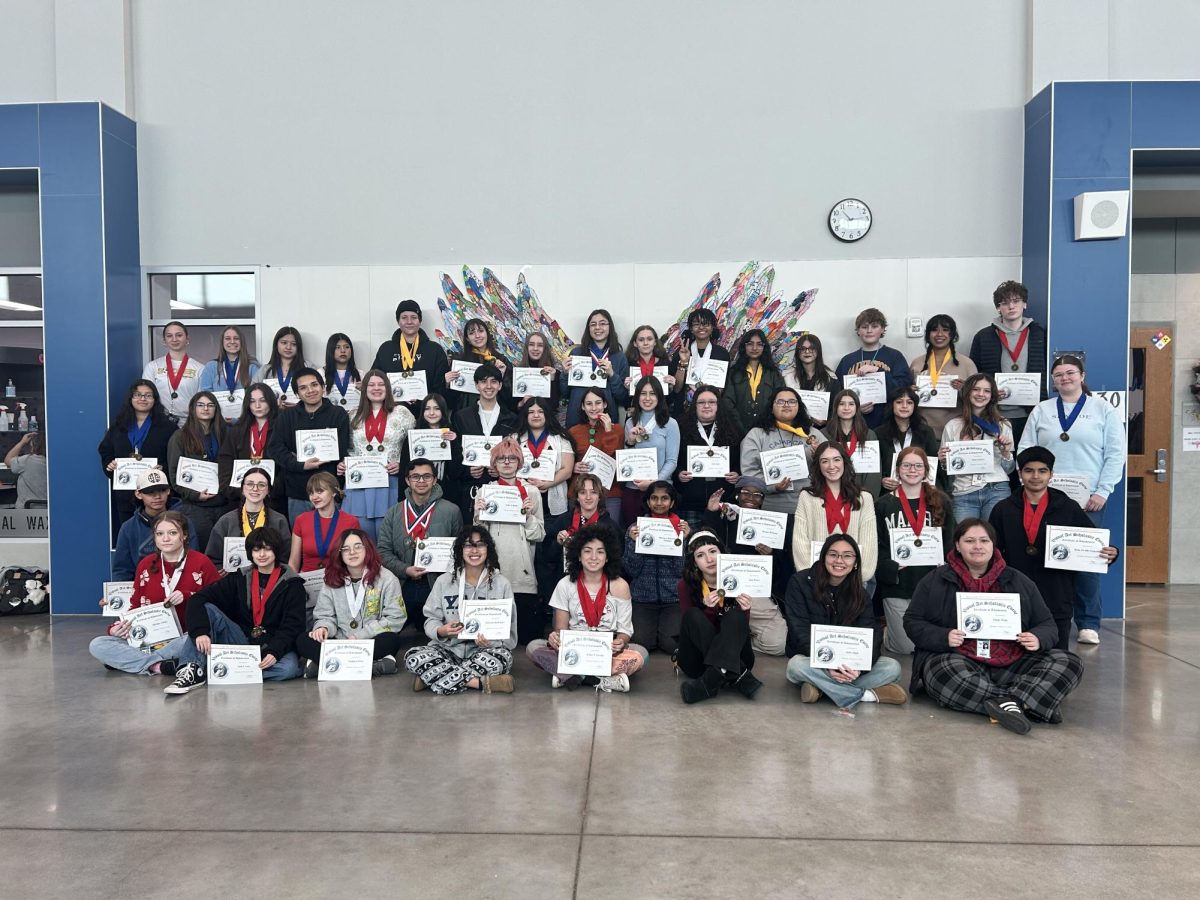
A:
(110, 789)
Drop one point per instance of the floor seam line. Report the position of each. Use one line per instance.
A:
(1143, 644)
(587, 793)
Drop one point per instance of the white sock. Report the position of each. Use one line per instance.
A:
(869, 697)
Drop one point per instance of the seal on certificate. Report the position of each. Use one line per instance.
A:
(972, 624)
(646, 539)
(957, 463)
(729, 583)
(825, 654)
(748, 534)
(521, 387)
(220, 670)
(903, 552)
(571, 658)
(471, 626)
(332, 665)
(1060, 552)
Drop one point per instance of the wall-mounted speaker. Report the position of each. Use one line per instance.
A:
(1101, 214)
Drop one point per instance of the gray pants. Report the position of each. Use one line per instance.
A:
(768, 630)
(895, 639)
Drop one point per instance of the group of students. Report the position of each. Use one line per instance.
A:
(836, 565)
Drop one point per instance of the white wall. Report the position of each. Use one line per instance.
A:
(26, 51)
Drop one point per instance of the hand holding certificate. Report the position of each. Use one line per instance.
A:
(500, 503)
(116, 598)
(785, 462)
(464, 376)
(870, 388)
(150, 625)
(658, 537)
(989, 617)
(585, 652)
(428, 443)
(866, 458)
(542, 467)
(346, 660)
(760, 526)
(477, 449)
(129, 469)
(581, 373)
(637, 465)
(198, 475)
(530, 382)
(234, 555)
(601, 465)
(409, 387)
(434, 554)
(318, 443)
(839, 646)
(1019, 388)
(711, 372)
(970, 457)
(708, 462)
(230, 664)
(364, 472)
(911, 549)
(936, 396)
(489, 619)
(1076, 549)
(748, 573)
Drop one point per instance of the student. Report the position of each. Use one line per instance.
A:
(752, 380)
(313, 412)
(248, 439)
(27, 460)
(646, 353)
(809, 372)
(698, 340)
(832, 592)
(409, 349)
(251, 513)
(1011, 343)
(1011, 681)
(536, 354)
(595, 428)
(359, 601)
(175, 375)
(286, 361)
(721, 517)
(140, 429)
(315, 530)
(850, 429)
(262, 604)
(198, 439)
(136, 538)
(341, 372)
(875, 356)
(448, 664)
(834, 503)
(609, 365)
(479, 346)
(231, 373)
(785, 424)
(488, 418)
(947, 371)
(588, 508)
(979, 419)
(539, 433)
(904, 426)
(653, 579)
(649, 427)
(435, 413)
(377, 431)
(705, 423)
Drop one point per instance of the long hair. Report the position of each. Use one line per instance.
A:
(469, 352)
(662, 415)
(528, 362)
(276, 360)
(941, 320)
(767, 360)
(850, 596)
(613, 345)
(847, 486)
(766, 418)
(255, 470)
(247, 417)
(364, 405)
(336, 571)
(243, 358)
(491, 560)
(126, 416)
(822, 375)
(607, 536)
(660, 485)
(991, 412)
(727, 427)
(858, 425)
(552, 423)
(659, 352)
(176, 518)
(935, 500)
(440, 402)
(916, 420)
(192, 440)
(331, 364)
(691, 572)
(583, 395)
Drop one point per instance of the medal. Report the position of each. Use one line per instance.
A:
(442, 444)
(342, 401)
(712, 452)
(917, 542)
(256, 459)
(1031, 550)
(257, 631)
(370, 448)
(175, 376)
(678, 542)
(137, 455)
(535, 464)
(354, 623)
(231, 398)
(1014, 355)
(406, 374)
(1064, 437)
(420, 545)
(933, 393)
(174, 395)
(1016, 368)
(592, 376)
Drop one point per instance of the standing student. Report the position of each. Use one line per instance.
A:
(699, 340)
(1088, 438)
(198, 439)
(1012, 342)
(609, 366)
(653, 578)
(251, 513)
(409, 349)
(286, 361)
(434, 412)
(834, 504)
(904, 426)
(646, 353)
(849, 428)
(341, 371)
(479, 346)
(785, 424)
(314, 531)
(540, 432)
(809, 372)
(875, 356)
(487, 418)
(248, 440)
(313, 412)
(649, 427)
(175, 374)
(947, 371)
(536, 354)
(705, 424)
(231, 373)
(141, 429)
(752, 380)
(136, 538)
(979, 419)
(587, 508)
(377, 431)
(596, 428)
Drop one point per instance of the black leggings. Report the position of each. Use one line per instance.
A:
(702, 644)
(387, 643)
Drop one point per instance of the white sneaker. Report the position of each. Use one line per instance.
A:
(610, 683)
(554, 682)
(1089, 636)
(190, 676)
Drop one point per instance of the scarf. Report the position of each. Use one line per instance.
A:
(986, 583)
(259, 595)
(783, 426)
(837, 513)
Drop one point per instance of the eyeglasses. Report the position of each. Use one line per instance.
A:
(751, 495)
(254, 485)
(475, 545)
(141, 395)
(1069, 373)
(508, 459)
(781, 402)
(844, 557)
(204, 404)
(912, 467)
(353, 548)
(427, 476)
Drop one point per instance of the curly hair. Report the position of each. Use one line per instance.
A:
(491, 562)
(1007, 289)
(611, 542)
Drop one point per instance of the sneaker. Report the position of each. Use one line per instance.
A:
(312, 669)
(1007, 712)
(809, 693)
(610, 683)
(418, 684)
(1089, 636)
(385, 666)
(192, 675)
(498, 684)
(891, 693)
(555, 681)
(1055, 718)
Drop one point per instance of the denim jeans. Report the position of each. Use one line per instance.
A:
(1088, 603)
(222, 630)
(116, 652)
(885, 671)
(978, 504)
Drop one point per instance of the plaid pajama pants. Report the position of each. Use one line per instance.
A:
(1039, 681)
(445, 673)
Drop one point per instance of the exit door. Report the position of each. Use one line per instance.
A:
(1148, 513)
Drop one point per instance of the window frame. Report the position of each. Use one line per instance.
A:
(149, 323)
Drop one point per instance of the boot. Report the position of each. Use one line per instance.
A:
(707, 685)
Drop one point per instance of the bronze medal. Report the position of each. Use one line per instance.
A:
(342, 401)
(1016, 367)
(442, 444)
(137, 455)
(420, 545)
(678, 542)
(1031, 550)
(712, 452)
(231, 398)
(255, 459)
(917, 542)
(593, 377)
(406, 374)
(535, 464)
(257, 631)
(933, 393)
(174, 395)
(1064, 437)
(354, 623)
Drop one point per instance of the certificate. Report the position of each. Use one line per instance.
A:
(319, 443)
(116, 597)
(941, 396)
(501, 503)
(234, 555)
(409, 387)
(708, 462)
(313, 582)
(234, 664)
(970, 457)
(910, 550)
(581, 373)
(128, 471)
(866, 458)
(814, 551)
(831, 646)
(1076, 549)
(602, 466)
(1077, 487)
(659, 374)
(744, 573)
(464, 376)
(490, 618)
(346, 660)
(542, 468)
(198, 475)
(658, 537)
(637, 465)
(348, 401)
(870, 388)
(711, 372)
(477, 449)
(231, 402)
(428, 443)
(241, 466)
(785, 462)
(530, 382)
(761, 526)
(989, 617)
(1019, 388)
(816, 404)
(434, 554)
(150, 625)
(273, 384)
(364, 472)
(585, 652)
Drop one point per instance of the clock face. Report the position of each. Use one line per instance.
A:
(850, 220)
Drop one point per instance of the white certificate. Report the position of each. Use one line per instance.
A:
(870, 388)
(585, 652)
(970, 457)
(313, 582)
(816, 404)
(198, 475)
(760, 526)
(1019, 388)
(989, 617)
(348, 401)
(156, 623)
(490, 618)
(657, 537)
(602, 466)
(711, 372)
(1077, 487)
(116, 597)
(542, 468)
(234, 555)
(941, 396)
(814, 551)
(128, 471)
(501, 503)
(708, 462)
(832, 646)
(409, 387)
(866, 458)
(273, 384)
(1076, 549)
(785, 462)
(477, 449)
(659, 374)
(346, 660)
(744, 573)
(530, 382)
(464, 376)
(434, 554)
(234, 664)
(428, 443)
(364, 472)
(580, 373)
(910, 550)
(241, 466)
(231, 403)
(637, 465)
(321, 443)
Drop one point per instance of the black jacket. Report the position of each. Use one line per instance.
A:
(802, 608)
(283, 617)
(902, 582)
(989, 356)
(923, 437)
(694, 494)
(430, 359)
(281, 443)
(115, 444)
(467, 421)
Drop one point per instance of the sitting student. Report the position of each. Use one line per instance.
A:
(1003, 679)
(253, 513)
(448, 664)
(654, 578)
(359, 601)
(715, 650)
(263, 605)
(170, 574)
(1020, 522)
(721, 518)
(832, 593)
(27, 460)
(588, 508)
(833, 502)
(592, 597)
(136, 537)
(875, 356)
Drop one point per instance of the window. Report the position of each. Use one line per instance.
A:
(205, 302)
(22, 406)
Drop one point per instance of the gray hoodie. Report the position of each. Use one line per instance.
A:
(442, 608)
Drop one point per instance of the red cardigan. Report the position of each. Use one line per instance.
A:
(198, 571)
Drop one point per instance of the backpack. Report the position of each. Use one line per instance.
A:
(24, 592)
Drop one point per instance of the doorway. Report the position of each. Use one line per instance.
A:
(1148, 407)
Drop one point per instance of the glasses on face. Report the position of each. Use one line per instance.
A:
(475, 545)
(254, 485)
(1068, 373)
(508, 459)
(844, 557)
(912, 467)
(425, 476)
(353, 548)
(804, 350)
(204, 404)
(141, 396)
(781, 402)
(751, 495)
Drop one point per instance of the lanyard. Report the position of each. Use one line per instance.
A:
(1014, 354)
(138, 433)
(415, 526)
(593, 609)
(989, 428)
(343, 383)
(1031, 518)
(175, 377)
(599, 354)
(168, 584)
(408, 358)
(259, 595)
(935, 371)
(712, 433)
(258, 439)
(1066, 421)
(915, 522)
(538, 444)
(516, 482)
(375, 426)
(324, 540)
(755, 377)
(259, 521)
(354, 596)
(231, 374)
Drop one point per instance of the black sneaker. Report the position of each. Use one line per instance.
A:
(312, 669)
(1008, 713)
(190, 676)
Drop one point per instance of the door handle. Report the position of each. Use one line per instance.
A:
(1160, 465)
